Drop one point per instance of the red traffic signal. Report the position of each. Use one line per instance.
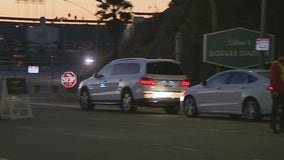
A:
(52, 57)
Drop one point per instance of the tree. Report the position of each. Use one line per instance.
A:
(116, 13)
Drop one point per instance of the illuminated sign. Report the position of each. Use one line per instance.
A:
(33, 69)
(236, 48)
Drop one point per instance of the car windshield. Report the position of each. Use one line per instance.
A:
(166, 68)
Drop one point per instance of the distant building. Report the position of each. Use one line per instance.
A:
(42, 40)
(38, 42)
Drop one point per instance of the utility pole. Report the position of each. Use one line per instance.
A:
(262, 31)
(97, 25)
(214, 19)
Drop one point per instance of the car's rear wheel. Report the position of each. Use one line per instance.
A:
(85, 100)
(126, 102)
(189, 107)
(251, 110)
(172, 109)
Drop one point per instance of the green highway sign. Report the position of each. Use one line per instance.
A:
(237, 48)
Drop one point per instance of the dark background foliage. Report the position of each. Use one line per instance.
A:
(156, 36)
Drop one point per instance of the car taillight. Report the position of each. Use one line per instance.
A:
(270, 88)
(184, 92)
(185, 83)
(147, 81)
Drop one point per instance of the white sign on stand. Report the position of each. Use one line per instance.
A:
(15, 100)
(262, 44)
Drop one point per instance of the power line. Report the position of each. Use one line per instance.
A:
(76, 4)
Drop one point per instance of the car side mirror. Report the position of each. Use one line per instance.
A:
(204, 83)
(98, 75)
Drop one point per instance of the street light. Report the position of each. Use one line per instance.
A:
(89, 60)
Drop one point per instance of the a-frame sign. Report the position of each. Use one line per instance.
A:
(15, 102)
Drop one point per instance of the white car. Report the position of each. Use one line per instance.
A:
(234, 92)
(133, 82)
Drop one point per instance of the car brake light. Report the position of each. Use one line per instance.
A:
(270, 88)
(184, 92)
(147, 81)
(185, 83)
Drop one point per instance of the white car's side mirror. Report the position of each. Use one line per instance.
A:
(204, 83)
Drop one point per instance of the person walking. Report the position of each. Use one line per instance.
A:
(277, 84)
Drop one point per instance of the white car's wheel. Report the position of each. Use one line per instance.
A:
(190, 107)
(251, 110)
(85, 100)
(126, 102)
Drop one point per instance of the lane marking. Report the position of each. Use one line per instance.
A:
(55, 104)
(95, 136)
(221, 130)
(186, 148)
(97, 119)
(31, 128)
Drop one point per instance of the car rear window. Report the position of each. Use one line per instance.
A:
(265, 74)
(166, 68)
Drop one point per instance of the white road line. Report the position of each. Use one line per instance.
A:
(186, 148)
(55, 104)
(31, 128)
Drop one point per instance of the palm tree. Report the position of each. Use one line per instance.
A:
(116, 13)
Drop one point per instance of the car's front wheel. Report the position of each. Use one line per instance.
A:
(251, 110)
(85, 100)
(126, 102)
(189, 107)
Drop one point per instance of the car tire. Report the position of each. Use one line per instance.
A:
(189, 107)
(126, 102)
(172, 109)
(251, 110)
(85, 100)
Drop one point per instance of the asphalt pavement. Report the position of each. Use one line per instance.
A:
(61, 130)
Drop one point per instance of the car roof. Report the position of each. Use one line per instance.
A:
(248, 70)
(143, 59)
(253, 70)
(256, 72)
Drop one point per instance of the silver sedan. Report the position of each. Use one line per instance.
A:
(237, 92)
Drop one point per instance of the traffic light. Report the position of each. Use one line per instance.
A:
(18, 59)
(52, 58)
(14, 56)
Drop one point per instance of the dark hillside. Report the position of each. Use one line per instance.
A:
(156, 36)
